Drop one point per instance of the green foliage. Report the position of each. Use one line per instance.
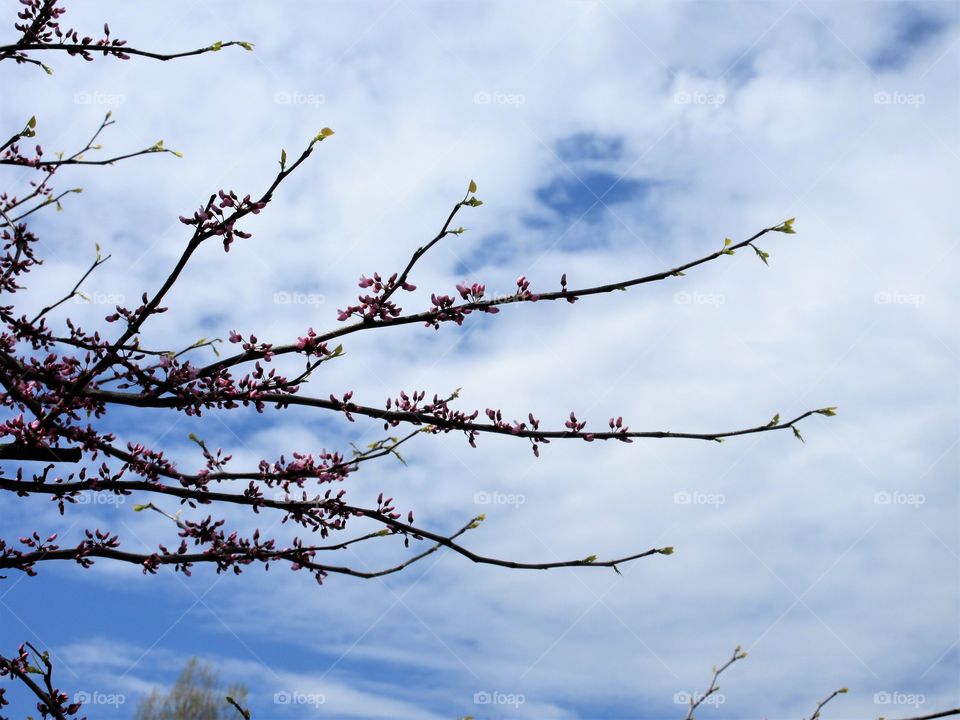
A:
(196, 695)
(761, 254)
(786, 227)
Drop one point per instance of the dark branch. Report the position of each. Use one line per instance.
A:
(429, 315)
(945, 713)
(9, 51)
(13, 451)
(421, 418)
(697, 701)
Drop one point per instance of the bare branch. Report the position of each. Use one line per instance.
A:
(934, 716)
(696, 701)
(831, 696)
(430, 315)
(425, 418)
(13, 451)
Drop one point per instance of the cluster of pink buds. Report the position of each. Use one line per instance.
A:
(14, 157)
(41, 26)
(131, 315)
(380, 285)
(331, 467)
(34, 542)
(617, 426)
(523, 290)
(408, 403)
(147, 462)
(310, 345)
(385, 507)
(40, 11)
(18, 258)
(343, 404)
(445, 309)
(95, 540)
(496, 417)
(252, 345)
(471, 293)
(54, 703)
(535, 424)
(110, 47)
(21, 430)
(439, 408)
(11, 666)
(219, 216)
(575, 426)
(376, 306)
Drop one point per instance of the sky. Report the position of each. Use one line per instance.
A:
(608, 140)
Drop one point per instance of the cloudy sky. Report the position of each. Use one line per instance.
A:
(608, 140)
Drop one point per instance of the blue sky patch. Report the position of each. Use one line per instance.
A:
(586, 195)
(914, 30)
(496, 249)
(589, 146)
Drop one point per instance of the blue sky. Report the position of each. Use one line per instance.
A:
(608, 140)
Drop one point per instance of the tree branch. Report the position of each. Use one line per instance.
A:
(423, 418)
(831, 696)
(429, 315)
(697, 701)
(934, 716)
(14, 451)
